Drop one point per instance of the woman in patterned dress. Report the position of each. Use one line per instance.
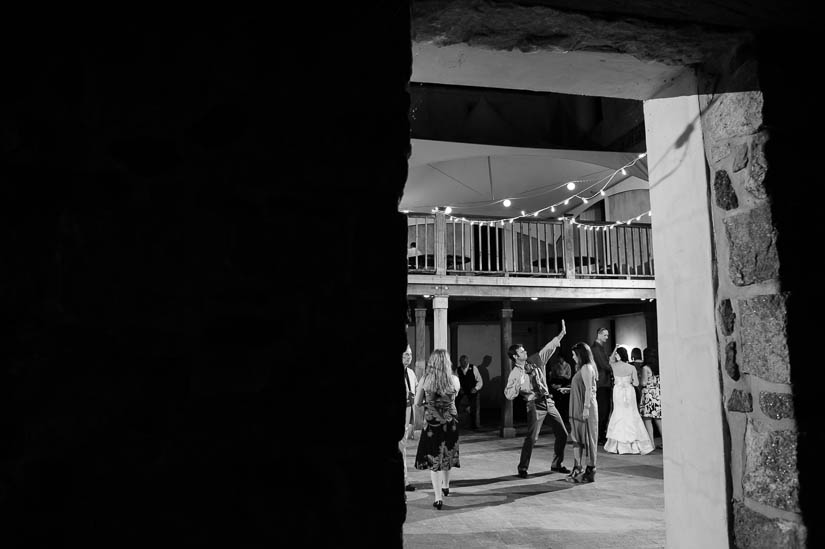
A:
(438, 444)
(650, 406)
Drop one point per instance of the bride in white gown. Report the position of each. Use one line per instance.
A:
(626, 432)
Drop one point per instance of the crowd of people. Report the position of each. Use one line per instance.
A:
(611, 400)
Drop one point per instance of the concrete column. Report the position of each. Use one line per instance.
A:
(440, 326)
(420, 341)
(507, 430)
(440, 247)
(696, 496)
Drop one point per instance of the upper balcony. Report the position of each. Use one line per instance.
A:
(526, 257)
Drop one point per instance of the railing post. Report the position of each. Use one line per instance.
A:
(508, 248)
(569, 234)
(440, 248)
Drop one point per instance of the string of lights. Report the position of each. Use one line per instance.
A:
(570, 185)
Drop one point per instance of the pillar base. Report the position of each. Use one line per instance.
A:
(507, 432)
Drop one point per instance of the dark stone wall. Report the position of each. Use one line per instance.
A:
(183, 347)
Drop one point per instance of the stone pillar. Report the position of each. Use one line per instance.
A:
(440, 326)
(507, 430)
(440, 247)
(686, 325)
(420, 341)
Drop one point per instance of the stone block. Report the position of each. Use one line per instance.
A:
(776, 405)
(740, 157)
(755, 184)
(731, 366)
(727, 316)
(734, 115)
(771, 476)
(719, 151)
(752, 239)
(740, 401)
(756, 531)
(723, 191)
(763, 338)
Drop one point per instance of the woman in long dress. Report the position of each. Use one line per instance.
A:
(626, 433)
(584, 414)
(438, 443)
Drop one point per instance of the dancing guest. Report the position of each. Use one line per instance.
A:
(528, 380)
(651, 404)
(584, 414)
(438, 443)
(626, 433)
(471, 384)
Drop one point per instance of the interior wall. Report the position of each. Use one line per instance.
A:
(625, 205)
(631, 331)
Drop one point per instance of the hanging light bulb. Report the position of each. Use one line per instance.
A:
(642, 155)
(624, 171)
(571, 186)
(522, 212)
(566, 201)
(584, 200)
(601, 192)
(448, 210)
(506, 202)
(552, 208)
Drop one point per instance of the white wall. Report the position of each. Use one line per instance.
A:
(478, 341)
(694, 453)
(631, 332)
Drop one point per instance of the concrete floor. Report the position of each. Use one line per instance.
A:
(489, 506)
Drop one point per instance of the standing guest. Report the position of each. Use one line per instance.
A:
(651, 403)
(636, 361)
(584, 414)
(409, 421)
(438, 444)
(528, 380)
(604, 391)
(626, 432)
(560, 375)
(471, 384)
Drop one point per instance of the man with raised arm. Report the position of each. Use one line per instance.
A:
(528, 380)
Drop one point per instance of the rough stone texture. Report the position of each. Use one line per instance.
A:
(770, 474)
(740, 401)
(754, 530)
(740, 158)
(731, 366)
(752, 239)
(723, 190)
(727, 316)
(763, 336)
(733, 115)
(719, 151)
(776, 405)
(759, 167)
(534, 28)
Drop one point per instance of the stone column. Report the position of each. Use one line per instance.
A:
(440, 326)
(569, 234)
(420, 341)
(507, 430)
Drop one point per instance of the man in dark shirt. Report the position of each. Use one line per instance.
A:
(471, 384)
(604, 386)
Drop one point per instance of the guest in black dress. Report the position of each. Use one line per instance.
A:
(438, 444)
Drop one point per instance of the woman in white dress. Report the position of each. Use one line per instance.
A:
(626, 433)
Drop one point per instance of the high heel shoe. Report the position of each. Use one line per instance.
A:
(437, 504)
(445, 491)
(575, 475)
(589, 474)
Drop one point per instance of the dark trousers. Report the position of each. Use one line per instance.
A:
(471, 400)
(604, 398)
(535, 417)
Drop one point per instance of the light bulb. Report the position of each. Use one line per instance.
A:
(552, 208)
(601, 192)
(522, 212)
(642, 155)
(534, 298)
(506, 202)
(566, 201)
(448, 210)
(624, 171)
(571, 186)
(584, 199)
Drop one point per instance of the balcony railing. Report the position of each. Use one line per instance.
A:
(437, 244)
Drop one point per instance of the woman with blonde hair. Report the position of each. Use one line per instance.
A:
(438, 444)
(584, 414)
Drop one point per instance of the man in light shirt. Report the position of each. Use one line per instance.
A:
(410, 382)
(528, 380)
